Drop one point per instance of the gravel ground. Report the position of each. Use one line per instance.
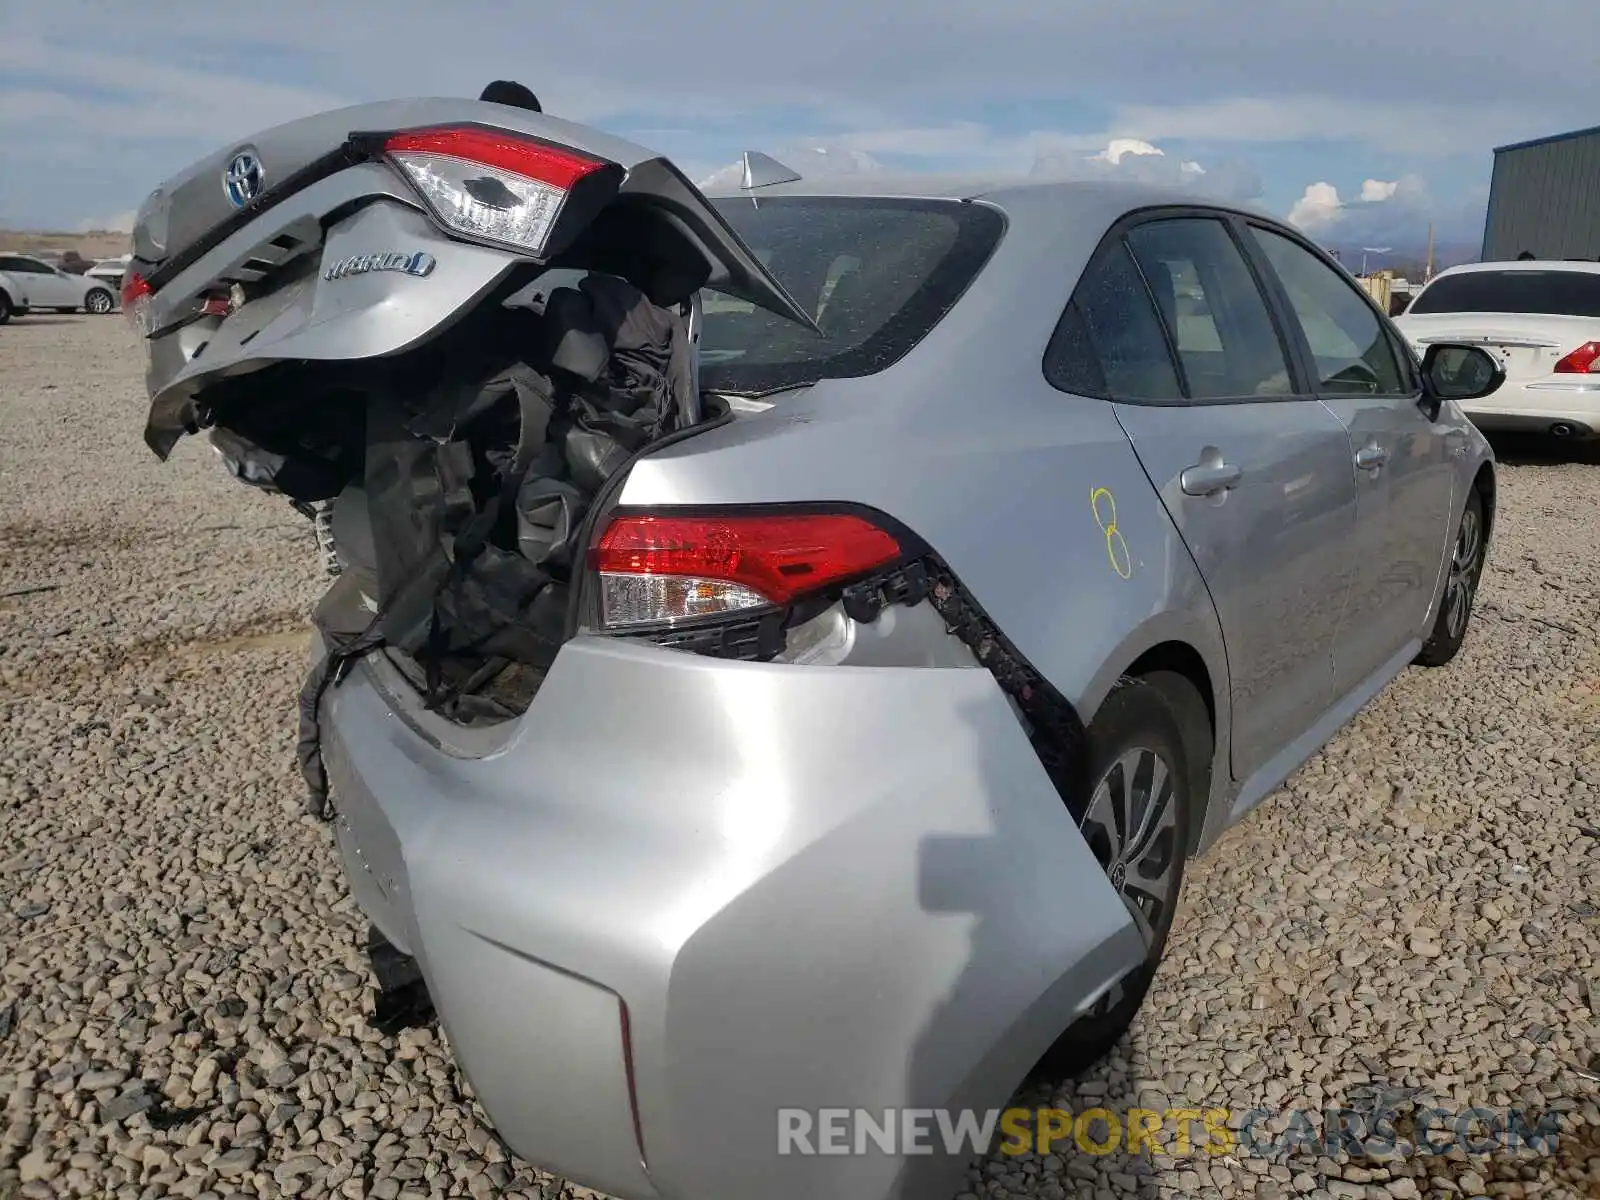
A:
(182, 989)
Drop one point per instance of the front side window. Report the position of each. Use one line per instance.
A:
(1348, 341)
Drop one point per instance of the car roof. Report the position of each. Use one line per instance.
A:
(1580, 265)
(1091, 197)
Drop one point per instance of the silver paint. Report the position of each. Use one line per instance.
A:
(844, 882)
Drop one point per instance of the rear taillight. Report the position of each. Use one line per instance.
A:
(656, 569)
(136, 295)
(1585, 360)
(489, 184)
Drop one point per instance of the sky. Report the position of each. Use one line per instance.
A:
(1361, 121)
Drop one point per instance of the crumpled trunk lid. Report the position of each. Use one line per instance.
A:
(220, 193)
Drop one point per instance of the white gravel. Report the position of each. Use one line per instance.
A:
(181, 983)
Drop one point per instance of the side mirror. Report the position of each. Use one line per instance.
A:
(1457, 372)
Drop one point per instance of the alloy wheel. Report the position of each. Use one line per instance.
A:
(1131, 827)
(98, 302)
(1463, 577)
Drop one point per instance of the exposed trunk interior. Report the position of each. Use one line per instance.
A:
(460, 478)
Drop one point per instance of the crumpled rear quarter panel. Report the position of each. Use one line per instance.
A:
(811, 887)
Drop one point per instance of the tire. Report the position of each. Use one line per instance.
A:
(1138, 724)
(98, 301)
(1462, 573)
(5, 308)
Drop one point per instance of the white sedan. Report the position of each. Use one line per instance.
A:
(1541, 319)
(28, 284)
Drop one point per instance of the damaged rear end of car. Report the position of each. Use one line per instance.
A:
(620, 782)
(330, 302)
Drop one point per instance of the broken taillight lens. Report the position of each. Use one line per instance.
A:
(136, 294)
(215, 305)
(489, 184)
(1585, 360)
(656, 569)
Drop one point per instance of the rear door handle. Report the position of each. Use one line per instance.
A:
(1208, 479)
(1369, 458)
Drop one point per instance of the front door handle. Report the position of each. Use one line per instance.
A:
(1370, 458)
(1207, 479)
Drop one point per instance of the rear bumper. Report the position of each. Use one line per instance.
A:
(1538, 406)
(761, 886)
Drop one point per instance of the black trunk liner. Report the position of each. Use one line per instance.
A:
(480, 461)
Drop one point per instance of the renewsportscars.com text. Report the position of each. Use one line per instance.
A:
(1179, 1131)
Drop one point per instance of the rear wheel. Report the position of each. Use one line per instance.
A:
(5, 308)
(1139, 784)
(1460, 587)
(98, 302)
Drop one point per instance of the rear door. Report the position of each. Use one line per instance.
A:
(1255, 474)
(49, 287)
(1402, 458)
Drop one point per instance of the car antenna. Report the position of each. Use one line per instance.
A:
(762, 170)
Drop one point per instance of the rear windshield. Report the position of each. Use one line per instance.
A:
(1563, 293)
(877, 274)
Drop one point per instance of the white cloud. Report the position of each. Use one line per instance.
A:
(1121, 147)
(1321, 212)
(1317, 209)
(1387, 212)
(1137, 160)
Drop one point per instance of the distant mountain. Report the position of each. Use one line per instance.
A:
(1407, 258)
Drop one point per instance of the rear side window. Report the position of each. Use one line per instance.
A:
(1349, 344)
(1109, 344)
(1553, 293)
(1209, 301)
(876, 274)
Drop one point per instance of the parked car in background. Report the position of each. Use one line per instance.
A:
(33, 283)
(1541, 319)
(110, 271)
